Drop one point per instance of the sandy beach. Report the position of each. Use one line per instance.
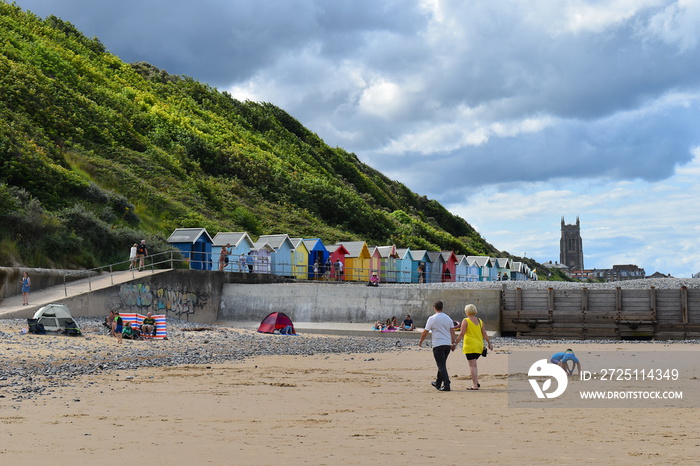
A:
(356, 408)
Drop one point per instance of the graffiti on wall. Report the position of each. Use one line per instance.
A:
(142, 298)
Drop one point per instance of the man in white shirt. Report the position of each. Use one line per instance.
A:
(440, 324)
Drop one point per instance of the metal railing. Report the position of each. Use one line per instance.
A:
(257, 264)
(207, 261)
(150, 262)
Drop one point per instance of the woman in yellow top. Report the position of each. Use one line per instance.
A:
(473, 333)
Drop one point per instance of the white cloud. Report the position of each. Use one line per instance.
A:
(678, 24)
(383, 98)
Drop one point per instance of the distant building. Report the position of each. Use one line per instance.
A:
(571, 245)
(582, 274)
(555, 265)
(616, 274)
(628, 272)
(661, 275)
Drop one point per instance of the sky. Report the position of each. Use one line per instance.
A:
(511, 113)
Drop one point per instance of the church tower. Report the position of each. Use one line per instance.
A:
(571, 245)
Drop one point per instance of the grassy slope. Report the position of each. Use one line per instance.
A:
(95, 153)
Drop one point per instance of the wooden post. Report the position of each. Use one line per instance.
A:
(652, 308)
(550, 306)
(618, 309)
(584, 309)
(684, 304)
(518, 301)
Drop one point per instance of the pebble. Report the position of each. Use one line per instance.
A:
(639, 284)
(27, 372)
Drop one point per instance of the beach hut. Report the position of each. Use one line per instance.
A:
(384, 263)
(421, 256)
(485, 267)
(280, 259)
(493, 271)
(462, 268)
(317, 252)
(357, 261)
(406, 268)
(195, 246)
(437, 267)
(449, 267)
(337, 252)
(519, 271)
(300, 259)
(240, 244)
(503, 266)
(261, 253)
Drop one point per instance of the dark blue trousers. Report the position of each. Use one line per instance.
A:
(440, 353)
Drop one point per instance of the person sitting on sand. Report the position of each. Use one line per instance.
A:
(408, 323)
(562, 360)
(378, 326)
(389, 325)
(148, 326)
(129, 333)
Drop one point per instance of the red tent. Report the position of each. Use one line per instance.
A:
(275, 321)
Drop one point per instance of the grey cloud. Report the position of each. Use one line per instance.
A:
(648, 147)
(221, 42)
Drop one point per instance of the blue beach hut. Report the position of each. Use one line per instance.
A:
(317, 251)
(406, 268)
(461, 269)
(195, 245)
(281, 259)
(484, 265)
(421, 256)
(437, 267)
(240, 244)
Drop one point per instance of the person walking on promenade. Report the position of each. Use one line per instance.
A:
(250, 261)
(132, 256)
(141, 253)
(473, 334)
(338, 270)
(26, 283)
(443, 338)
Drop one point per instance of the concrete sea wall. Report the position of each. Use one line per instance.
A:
(328, 302)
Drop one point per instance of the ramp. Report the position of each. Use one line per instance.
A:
(12, 308)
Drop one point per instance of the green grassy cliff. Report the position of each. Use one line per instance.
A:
(96, 154)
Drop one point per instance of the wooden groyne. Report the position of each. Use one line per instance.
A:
(659, 314)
